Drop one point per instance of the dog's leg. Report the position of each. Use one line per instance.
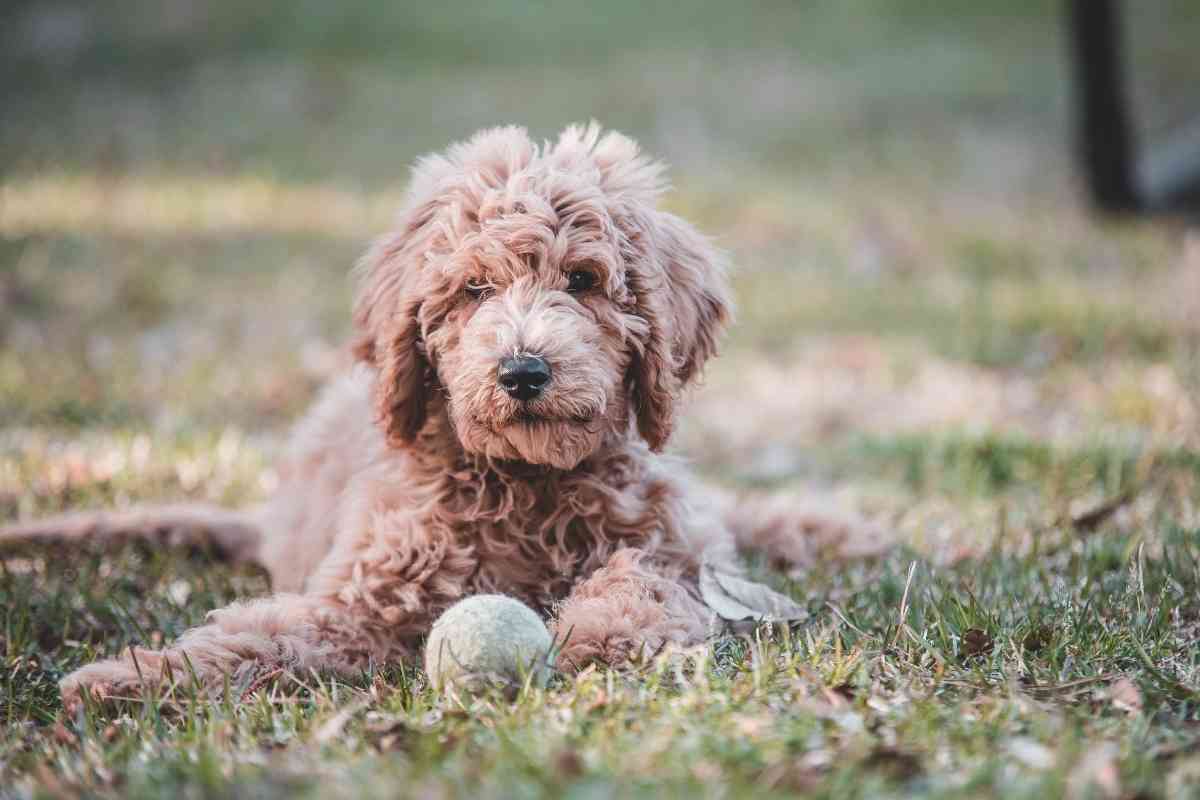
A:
(229, 534)
(286, 631)
(625, 611)
(369, 600)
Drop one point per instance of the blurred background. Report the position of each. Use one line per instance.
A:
(929, 309)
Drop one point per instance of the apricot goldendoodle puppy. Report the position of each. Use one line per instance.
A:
(523, 337)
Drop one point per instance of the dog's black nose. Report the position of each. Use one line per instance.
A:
(524, 377)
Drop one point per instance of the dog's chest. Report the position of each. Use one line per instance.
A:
(539, 551)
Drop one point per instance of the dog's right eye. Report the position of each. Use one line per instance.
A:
(478, 291)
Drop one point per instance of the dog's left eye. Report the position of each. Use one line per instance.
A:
(477, 291)
(580, 280)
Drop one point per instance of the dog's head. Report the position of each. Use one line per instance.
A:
(538, 298)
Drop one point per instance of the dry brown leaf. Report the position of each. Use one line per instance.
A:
(1037, 638)
(976, 643)
(734, 598)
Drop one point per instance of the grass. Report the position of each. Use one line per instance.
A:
(932, 329)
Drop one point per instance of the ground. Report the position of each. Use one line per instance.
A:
(933, 329)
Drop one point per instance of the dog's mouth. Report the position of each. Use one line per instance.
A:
(534, 437)
(535, 415)
(524, 422)
(526, 416)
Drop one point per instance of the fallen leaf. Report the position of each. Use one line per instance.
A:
(734, 598)
(1037, 639)
(976, 643)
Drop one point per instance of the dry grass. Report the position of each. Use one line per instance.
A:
(932, 328)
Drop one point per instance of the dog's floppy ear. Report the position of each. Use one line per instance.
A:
(677, 276)
(679, 279)
(388, 330)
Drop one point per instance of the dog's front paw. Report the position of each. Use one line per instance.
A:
(615, 651)
(114, 679)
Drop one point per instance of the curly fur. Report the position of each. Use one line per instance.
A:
(415, 480)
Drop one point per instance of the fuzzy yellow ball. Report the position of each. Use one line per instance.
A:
(488, 639)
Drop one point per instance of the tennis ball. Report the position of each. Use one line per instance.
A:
(487, 639)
